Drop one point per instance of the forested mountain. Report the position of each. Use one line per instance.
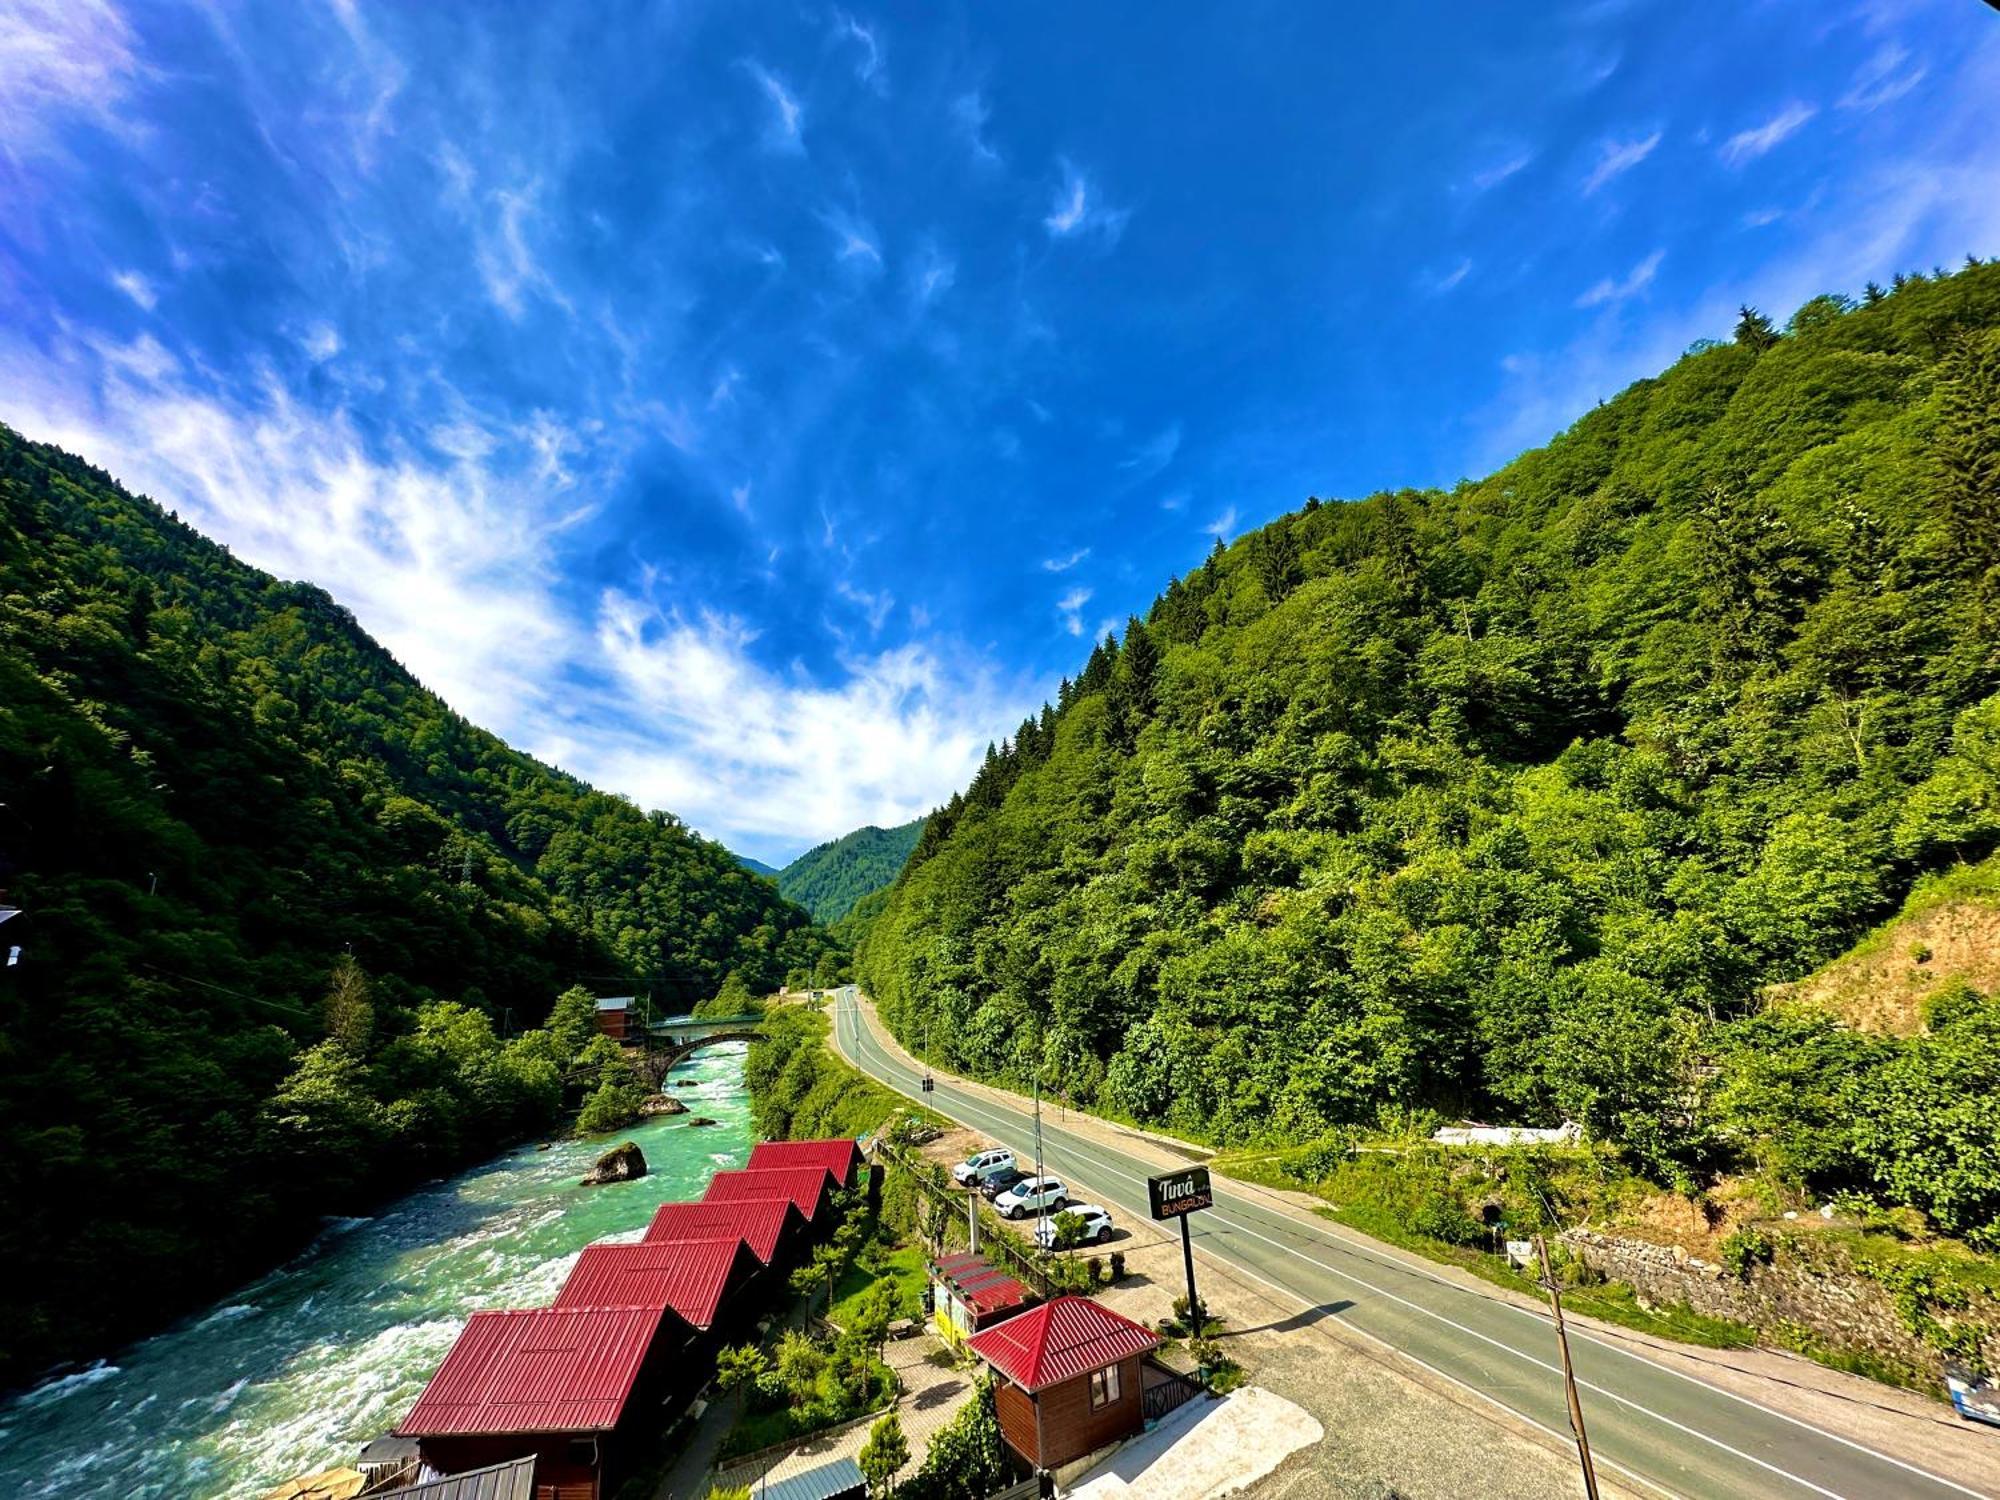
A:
(757, 866)
(214, 790)
(829, 879)
(1510, 800)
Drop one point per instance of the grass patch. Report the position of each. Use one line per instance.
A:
(765, 1429)
(903, 1267)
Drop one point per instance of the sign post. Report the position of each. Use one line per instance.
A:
(1175, 1195)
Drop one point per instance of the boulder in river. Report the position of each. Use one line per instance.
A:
(620, 1164)
(660, 1104)
(701, 1120)
(687, 1083)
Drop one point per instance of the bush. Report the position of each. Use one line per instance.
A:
(1117, 1266)
(1442, 1217)
(1746, 1248)
(612, 1107)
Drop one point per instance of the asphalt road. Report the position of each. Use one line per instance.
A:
(1648, 1424)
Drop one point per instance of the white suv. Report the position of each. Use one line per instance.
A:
(1030, 1194)
(981, 1165)
(1096, 1226)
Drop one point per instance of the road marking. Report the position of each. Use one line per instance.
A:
(860, 1030)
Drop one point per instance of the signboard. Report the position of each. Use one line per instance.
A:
(1176, 1193)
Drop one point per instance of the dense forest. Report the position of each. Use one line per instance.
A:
(828, 879)
(282, 911)
(1514, 800)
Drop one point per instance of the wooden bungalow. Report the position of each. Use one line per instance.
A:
(578, 1389)
(969, 1293)
(1070, 1378)
(810, 1189)
(841, 1157)
(773, 1228)
(702, 1281)
(617, 1017)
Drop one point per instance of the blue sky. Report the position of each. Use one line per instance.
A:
(756, 408)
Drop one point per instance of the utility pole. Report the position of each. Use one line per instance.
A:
(1554, 1289)
(1041, 1189)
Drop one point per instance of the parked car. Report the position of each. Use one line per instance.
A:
(981, 1164)
(1096, 1226)
(1032, 1194)
(996, 1183)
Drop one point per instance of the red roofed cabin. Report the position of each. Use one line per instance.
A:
(1070, 1381)
(809, 1189)
(769, 1226)
(840, 1157)
(699, 1280)
(578, 1388)
(615, 1017)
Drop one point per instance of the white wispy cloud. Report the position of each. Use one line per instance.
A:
(321, 342)
(1439, 282)
(970, 114)
(1077, 209)
(1064, 564)
(1748, 145)
(868, 67)
(788, 115)
(715, 736)
(1153, 455)
(60, 60)
(874, 606)
(1617, 289)
(1617, 157)
(1490, 177)
(932, 275)
(137, 287)
(455, 564)
(1883, 79)
(1070, 608)
(739, 496)
(853, 238)
(1223, 524)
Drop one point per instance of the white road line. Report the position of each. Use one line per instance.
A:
(860, 1030)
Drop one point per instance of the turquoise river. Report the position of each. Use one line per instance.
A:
(295, 1371)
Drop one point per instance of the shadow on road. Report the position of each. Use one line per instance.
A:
(1304, 1318)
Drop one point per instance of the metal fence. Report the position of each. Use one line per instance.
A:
(1167, 1391)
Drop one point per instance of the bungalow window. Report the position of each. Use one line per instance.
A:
(1103, 1387)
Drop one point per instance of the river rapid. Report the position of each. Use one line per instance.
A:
(295, 1371)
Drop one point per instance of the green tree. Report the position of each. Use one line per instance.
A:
(738, 1367)
(883, 1455)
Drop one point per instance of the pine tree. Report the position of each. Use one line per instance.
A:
(1968, 456)
(1754, 330)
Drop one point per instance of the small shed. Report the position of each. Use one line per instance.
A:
(841, 1479)
(1070, 1378)
(970, 1293)
(615, 1016)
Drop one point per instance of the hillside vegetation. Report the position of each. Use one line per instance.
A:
(1511, 800)
(828, 879)
(215, 792)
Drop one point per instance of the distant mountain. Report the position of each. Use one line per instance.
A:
(828, 880)
(757, 866)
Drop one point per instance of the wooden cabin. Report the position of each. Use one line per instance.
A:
(701, 1281)
(773, 1228)
(1070, 1378)
(970, 1293)
(809, 1189)
(617, 1017)
(578, 1389)
(841, 1158)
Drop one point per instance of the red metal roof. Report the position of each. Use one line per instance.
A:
(1060, 1341)
(544, 1369)
(759, 1222)
(805, 1186)
(840, 1156)
(689, 1276)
